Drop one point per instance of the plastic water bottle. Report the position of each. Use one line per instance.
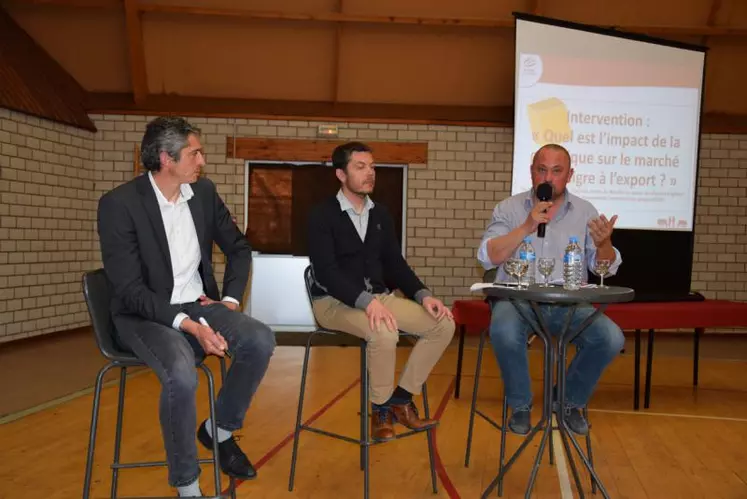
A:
(573, 265)
(527, 253)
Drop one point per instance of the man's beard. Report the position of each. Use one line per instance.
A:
(360, 192)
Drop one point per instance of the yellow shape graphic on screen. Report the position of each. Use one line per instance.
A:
(548, 120)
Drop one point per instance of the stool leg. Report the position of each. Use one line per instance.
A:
(364, 419)
(588, 450)
(552, 446)
(94, 427)
(696, 354)
(299, 414)
(460, 356)
(473, 406)
(502, 459)
(118, 430)
(649, 368)
(572, 463)
(213, 427)
(429, 436)
(223, 372)
(637, 371)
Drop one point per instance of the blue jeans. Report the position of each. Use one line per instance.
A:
(596, 347)
(173, 355)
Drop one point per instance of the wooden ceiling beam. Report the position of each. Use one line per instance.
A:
(136, 51)
(94, 4)
(338, 17)
(351, 112)
(336, 57)
(712, 16)
(330, 17)
(535, 7)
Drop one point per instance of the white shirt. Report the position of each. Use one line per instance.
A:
(360, 220)
(184, 248)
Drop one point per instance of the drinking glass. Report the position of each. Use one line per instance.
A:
(522, 266)
(602, 267)
(545, 267)
(511, 267)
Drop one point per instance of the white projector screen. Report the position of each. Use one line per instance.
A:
(627, 110)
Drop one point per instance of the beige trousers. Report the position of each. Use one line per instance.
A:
(434, 337)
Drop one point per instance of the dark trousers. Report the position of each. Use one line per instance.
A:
(172, 355)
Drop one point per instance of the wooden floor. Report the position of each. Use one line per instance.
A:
(690, 443)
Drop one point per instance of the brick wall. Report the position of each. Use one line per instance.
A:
(450, 200)
(720, 260)
(46, 214)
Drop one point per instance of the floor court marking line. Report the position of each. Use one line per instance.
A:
(670, 415)
(440, 469)
(566, 492)
(289, 437)
(14, 416)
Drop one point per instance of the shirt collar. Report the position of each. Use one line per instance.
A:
(529, 200)
(185, 195)
(345, 203)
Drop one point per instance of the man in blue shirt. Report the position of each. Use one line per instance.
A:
(565, 215)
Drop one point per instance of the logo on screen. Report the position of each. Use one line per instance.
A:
(530, 69)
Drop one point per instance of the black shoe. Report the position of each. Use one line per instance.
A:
(233, 461)
(521, 421)
(575, 420)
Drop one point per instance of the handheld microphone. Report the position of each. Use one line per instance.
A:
(544, 193)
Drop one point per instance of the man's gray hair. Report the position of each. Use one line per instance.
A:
(169, 134)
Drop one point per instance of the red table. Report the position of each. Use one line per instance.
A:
(473, 316)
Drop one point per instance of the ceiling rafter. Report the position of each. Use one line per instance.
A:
(712, 16)
(95, 4)
(136, 51)
(336, 56)
(339, 17)
(535, 7)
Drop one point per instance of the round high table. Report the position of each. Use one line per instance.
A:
(554, 361)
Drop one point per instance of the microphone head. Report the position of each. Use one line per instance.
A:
(544, 191)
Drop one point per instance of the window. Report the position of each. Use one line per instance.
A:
(280, 195)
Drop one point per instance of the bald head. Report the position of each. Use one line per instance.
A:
(552, 164)
(552, 147)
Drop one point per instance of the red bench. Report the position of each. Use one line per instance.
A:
(473, 316)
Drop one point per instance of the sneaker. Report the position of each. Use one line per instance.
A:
(521, 421)
(576, 421)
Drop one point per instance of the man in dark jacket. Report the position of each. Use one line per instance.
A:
(157, 233)
(357, 262)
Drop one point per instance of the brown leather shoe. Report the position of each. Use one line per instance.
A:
(382, 425)
(407, 415)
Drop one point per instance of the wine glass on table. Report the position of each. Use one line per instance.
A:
(511, 267)
(602, 268)
(522, 267)
(546, 267)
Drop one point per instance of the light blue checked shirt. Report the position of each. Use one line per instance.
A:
(571, 220)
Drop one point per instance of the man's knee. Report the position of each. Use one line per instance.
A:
(608, 336)
(383, 339)
(445, 329)
(507, 328)
(180, 374)
(616, 338)
(256, 338)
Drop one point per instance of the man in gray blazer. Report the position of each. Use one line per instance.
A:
(157, 233)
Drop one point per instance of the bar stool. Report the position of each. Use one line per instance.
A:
(98, 297)
(327, 337)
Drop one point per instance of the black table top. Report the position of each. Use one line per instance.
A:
(556, 294)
